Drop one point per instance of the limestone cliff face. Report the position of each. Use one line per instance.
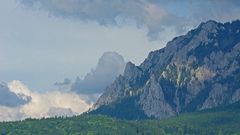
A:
(196, 71)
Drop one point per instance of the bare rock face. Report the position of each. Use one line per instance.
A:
(193, 72)
(153, 101)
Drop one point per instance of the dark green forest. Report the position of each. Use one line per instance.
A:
(218, 121)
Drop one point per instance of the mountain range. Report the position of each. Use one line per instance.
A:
(196, 71)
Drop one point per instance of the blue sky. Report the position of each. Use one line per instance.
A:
(44, 41)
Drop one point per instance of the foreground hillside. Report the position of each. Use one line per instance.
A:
(220, 121)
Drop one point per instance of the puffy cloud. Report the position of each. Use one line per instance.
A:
(47, 104)
(109, 66)
(11, 113)
(42, 103)
(9, 98)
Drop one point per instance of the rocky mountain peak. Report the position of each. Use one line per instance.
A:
(210, 26)
(129, 67)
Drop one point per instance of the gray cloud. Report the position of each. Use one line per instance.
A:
(156, 15)
(109, 66)
(220, 10)
(65, 85)
(9, 98)
(106, 12)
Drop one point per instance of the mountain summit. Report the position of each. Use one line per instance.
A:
(196, 71)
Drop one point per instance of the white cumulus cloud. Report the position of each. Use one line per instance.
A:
(47, 104)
